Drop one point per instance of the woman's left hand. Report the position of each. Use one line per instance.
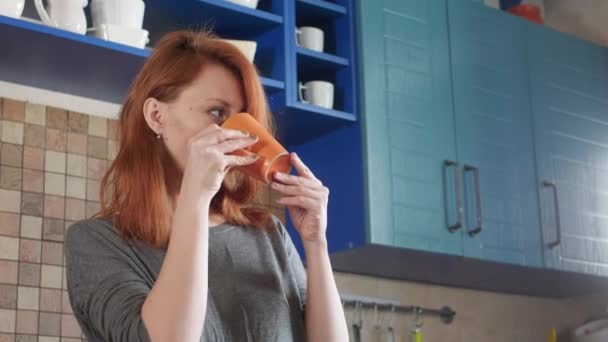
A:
(306, 198)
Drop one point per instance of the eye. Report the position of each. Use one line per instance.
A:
(218, 112)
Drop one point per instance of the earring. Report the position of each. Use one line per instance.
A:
(158, 135)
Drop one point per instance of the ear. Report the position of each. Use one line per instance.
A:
(154, 113)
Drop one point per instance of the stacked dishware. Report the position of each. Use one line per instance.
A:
(119, 21)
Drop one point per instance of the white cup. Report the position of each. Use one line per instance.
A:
(319, 93)
(127, 13)
(246, 3)
(310, 37)
(12, 8)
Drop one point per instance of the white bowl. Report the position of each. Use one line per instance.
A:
(246, 3)
(124, 35)
(247, 47)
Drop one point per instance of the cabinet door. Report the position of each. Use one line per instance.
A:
(569, 81)
(494, 133)
(408, 124)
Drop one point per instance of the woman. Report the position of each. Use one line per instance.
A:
(178, 252)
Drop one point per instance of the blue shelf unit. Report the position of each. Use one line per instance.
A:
(329, 140)
(334, 65)
(107, 70)
(62, 61)
(335, 156)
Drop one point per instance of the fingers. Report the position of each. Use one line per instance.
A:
(240, 160)
(235, 144)
(306, 203)
(299, 190)
(301, 168)
(297, 180)
(214, 134)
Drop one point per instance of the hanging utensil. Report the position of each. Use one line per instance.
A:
(390, 332)
(358, 325)
(377, 332)
(416, 332)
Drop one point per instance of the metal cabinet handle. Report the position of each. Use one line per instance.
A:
(459, 212)
(479, 223)
(558, 225)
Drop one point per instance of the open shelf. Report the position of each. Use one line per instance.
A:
(310, 9)
(63, 61)
(272, 85)
(314, 60)
(8, 23)
(240, 16)
(40, 56)
(337, 114)
(301, 122)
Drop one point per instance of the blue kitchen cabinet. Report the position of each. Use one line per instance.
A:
(448, 130)
(517, 109)
(406, 107)
(569, 83)
(493, 125)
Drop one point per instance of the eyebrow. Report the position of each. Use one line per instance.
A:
(226, 104)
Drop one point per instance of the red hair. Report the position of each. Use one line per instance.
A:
(135, 192)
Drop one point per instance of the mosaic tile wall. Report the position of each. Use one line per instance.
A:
(51, 161)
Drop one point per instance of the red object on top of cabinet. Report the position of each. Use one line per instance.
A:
(527, 11)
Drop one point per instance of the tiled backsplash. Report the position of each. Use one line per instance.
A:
(51, 162)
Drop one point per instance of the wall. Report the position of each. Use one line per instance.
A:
(480, 316)
(51, 161)
(585, 19)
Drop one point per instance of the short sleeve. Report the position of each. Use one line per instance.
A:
(104, 288)
(294, 261)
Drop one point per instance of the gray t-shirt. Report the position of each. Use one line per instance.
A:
(256, 292)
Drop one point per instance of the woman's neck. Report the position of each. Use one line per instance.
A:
(215, 219)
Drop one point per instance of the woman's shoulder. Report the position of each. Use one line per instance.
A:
(90, 233)
(275, 227)
(278, 230)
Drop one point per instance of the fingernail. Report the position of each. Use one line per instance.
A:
(245, 133)
(278, 174)
(254, 137)
(253, 156)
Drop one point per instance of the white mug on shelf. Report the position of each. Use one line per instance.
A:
(126, 13)
(246, 3)
(12, 8)
(310, 37)
(319, 93)
(64, 14)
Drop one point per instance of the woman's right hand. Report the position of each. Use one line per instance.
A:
(209, 160)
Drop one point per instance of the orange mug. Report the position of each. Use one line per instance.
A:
(272, 156)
